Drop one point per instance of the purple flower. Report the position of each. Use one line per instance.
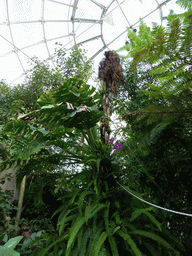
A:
(118, 146)
(111, 140)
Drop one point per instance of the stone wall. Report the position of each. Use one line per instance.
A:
(10, 185)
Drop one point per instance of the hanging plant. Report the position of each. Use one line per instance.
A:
(111, 76)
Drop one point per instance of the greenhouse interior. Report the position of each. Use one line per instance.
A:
(95, 127)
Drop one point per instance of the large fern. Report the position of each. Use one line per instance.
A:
(168, 51)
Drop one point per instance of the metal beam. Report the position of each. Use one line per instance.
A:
(98, 4)
(90, 39)
(86, 20)
(165, 2)
(62, 3)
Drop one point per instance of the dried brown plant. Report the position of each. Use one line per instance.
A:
(111, 72)
(111, 75)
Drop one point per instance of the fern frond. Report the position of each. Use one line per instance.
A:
(74, 230)
(185, 3)
(153, 237)
(130, 242)
(84, 242)
(100, 243)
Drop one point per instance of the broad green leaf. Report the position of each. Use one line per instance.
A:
(13, 242)
(4, 251)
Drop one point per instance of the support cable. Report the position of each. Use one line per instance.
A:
(123, 13)
(154, 205)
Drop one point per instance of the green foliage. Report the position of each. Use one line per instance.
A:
(58, 116)
(6, 209)
(167, 59)
(91, 227)
(96, 216)
(157, 109)
(8, 248)
(22, 98)
(28, 245)
(7, 103)
(75, 65)
(82, 114)
(38, 208)
(184, 3)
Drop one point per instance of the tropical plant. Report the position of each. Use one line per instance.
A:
(8, 248)
(97, 217)
(18, 100)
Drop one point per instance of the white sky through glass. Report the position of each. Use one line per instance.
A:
(32, 27)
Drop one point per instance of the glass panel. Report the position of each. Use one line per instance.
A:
(56, 11)
(20, 10)
(39, 51)
(29, 17)
(104, 3)
(93, 47)
(27, 34)
(86, 31)
(3, 12)
(10, 67)
(56, 29)
(5, 38)
(88, 9)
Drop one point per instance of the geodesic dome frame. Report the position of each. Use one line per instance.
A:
(32, 27)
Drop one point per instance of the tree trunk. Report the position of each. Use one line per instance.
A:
(105, 128)
(20, 202)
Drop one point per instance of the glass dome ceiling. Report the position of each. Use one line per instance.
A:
(31, 28)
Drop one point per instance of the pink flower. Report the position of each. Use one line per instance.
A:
(111, 140)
